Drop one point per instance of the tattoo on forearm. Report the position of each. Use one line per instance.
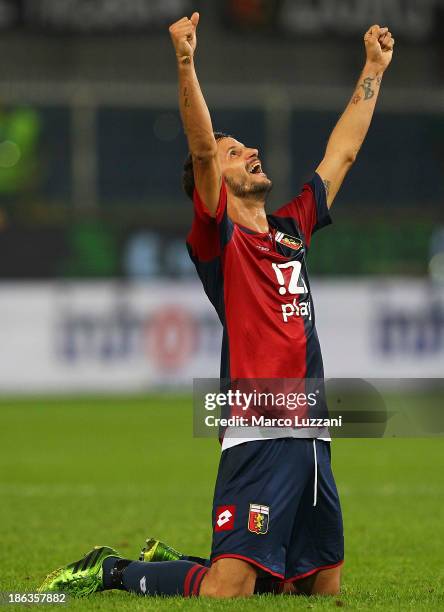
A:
(367, 87)
(186, 100)
(327, 186)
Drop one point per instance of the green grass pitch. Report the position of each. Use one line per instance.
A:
(79, 472)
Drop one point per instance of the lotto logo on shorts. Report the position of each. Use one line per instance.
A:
(224, 518)
(258, 518)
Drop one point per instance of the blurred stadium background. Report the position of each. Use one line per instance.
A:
(97, 290)
(98, 296)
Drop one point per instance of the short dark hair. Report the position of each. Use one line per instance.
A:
(188, 173)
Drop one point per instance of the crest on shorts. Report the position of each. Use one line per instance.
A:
(258, 518)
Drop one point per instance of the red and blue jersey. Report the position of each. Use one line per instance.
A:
(258, 284)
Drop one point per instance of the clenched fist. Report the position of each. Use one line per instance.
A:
(183, 35)
(379, 44)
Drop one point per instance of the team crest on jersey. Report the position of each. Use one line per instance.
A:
(258, 518)
(290, 241)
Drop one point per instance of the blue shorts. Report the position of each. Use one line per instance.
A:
(276, 506)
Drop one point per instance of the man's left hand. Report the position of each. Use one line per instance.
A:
(379, 44)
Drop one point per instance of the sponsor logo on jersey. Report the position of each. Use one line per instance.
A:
(224, 518)
(258, 518)
(290, 241)
(301, 309)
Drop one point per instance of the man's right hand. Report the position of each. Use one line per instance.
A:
(183, 35)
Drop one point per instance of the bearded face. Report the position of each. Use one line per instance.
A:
(242, 169)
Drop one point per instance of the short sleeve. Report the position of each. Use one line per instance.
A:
(309, 209)
(203, 239)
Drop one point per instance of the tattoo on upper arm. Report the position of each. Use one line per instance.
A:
(186, 101)
(327, 185)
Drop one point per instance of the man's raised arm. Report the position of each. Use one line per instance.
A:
(195, 115)
(352, 128)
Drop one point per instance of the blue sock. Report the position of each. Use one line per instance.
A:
(200, 560)
(164, 578)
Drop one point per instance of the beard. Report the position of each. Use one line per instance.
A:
(242, 190)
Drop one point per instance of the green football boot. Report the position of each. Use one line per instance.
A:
(155, 550)
(82, 577)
